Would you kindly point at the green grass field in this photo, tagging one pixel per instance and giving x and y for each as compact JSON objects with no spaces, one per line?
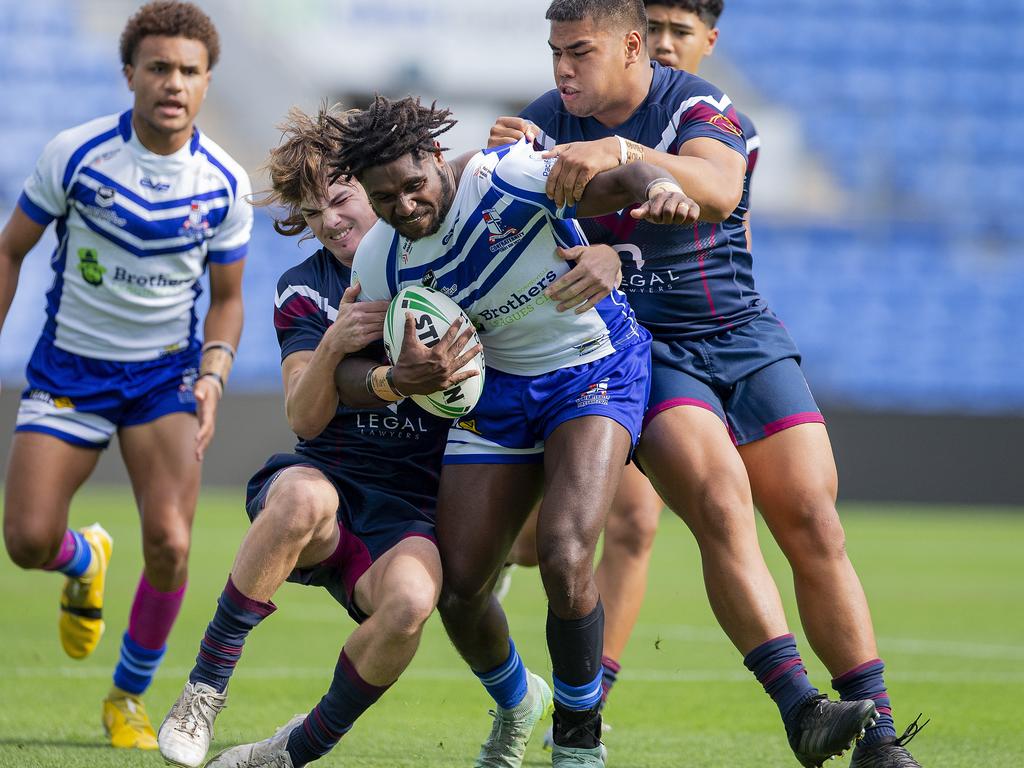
{"x":946,"y":587}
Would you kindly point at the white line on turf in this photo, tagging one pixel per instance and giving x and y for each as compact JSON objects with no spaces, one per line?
{"x":455,"y":675}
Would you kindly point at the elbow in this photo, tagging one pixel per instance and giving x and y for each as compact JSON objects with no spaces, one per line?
{"x":304,"y":427}
{"x":720,"y":208}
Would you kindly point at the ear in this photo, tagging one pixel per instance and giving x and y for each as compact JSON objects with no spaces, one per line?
{"x":129,"y":76}
{"x":712,"y":40}
{"x":635,"y":47}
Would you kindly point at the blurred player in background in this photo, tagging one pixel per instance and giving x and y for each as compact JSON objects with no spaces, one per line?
{"x":725,"y":371}
{"x":352,"y":508}
{"x":143,"y":203}
{"x":560,"y":407}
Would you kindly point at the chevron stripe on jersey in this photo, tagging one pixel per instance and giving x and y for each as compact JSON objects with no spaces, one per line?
{"x":494,"y":255}
{"x":134,"y":233}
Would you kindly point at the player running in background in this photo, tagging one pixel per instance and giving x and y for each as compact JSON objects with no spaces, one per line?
{"x":725,"y":371}
{"x":352,"y":508}
{"x":560,"y":407}
{"x":143,"y":204}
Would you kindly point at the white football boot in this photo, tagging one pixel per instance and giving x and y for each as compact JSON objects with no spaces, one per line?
{"x":269,"y":753}
{"x":186,"y":732}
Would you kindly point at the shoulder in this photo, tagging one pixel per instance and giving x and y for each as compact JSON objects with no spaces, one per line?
{"x":370,"y":265}
{"x":315,"y":278}
{"x":233,"y":173}
{"x":680,"y":90}
{"x":77,"y":142}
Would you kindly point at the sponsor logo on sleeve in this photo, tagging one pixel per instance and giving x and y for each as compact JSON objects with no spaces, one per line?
{"x":723,"y":123}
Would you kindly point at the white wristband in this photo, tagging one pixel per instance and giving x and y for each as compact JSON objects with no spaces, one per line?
{"x":623,"y":153}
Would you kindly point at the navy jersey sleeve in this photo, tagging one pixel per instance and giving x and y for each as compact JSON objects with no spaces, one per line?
{"x":540,"y":113}
{"x":700,"y":110}
{"x":298,"y":317}
{"x":753,"y":140}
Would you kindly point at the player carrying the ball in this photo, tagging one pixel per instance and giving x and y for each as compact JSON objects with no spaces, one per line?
{"x":561,"y":406}
{"x":324,"y":514}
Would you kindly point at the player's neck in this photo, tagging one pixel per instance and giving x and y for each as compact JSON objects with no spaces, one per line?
{"x":158,"y":142}
{"x":638,"y":77}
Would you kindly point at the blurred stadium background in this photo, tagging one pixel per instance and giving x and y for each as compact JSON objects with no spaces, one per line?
{"x":882,"y":205}
{"x":885,"y":236}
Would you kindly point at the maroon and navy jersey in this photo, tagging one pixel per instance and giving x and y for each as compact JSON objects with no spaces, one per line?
{"x":398,"y":447}
{"x":682,"y":281}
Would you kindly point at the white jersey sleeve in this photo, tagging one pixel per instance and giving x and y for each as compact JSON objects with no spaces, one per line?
{"x":231,"y":242}
{"x":371,"y":262}
{"x":523,"y":173}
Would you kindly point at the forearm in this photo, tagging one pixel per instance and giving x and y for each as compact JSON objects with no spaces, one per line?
{"x":312,"y":399}
{"x":224,"y":321}
{"x":350,"y":383}
{"x":618,"y":188}
{"x":716,"y":190}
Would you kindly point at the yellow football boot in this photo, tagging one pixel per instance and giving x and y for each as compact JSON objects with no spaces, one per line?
{"x":126,"y":722}
{"x":81,"y":603}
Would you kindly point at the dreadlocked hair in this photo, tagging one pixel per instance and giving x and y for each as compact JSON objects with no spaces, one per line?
{"x":385,"y":132}
{"x":298,"y":166}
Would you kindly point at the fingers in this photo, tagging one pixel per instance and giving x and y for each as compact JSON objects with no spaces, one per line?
{"x":458,"y":378}
{"x":668,"y":208}
{"x":467,"y":356}
{"x":351,"y":293}
{"x":448,"y":339}
{"x":570,"y":254}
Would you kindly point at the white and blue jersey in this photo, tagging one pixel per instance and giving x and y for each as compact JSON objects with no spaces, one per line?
{"x":134,"y":233}
{"x":494,"y":255}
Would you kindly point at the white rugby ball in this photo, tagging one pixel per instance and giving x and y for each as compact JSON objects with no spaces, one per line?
{"x":433,"y":313}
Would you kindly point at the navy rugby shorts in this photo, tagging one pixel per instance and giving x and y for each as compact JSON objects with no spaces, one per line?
{"x":749,"y":376}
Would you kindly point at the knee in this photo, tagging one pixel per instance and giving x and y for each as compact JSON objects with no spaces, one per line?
{"x":721,"y":516}
{"x":811,"y":530}
{"x":630,"y":531}
{"x":407,"y":609}
{"x":30,"y":549}
{"x":296,"y":508}
{"x":166,"y":550}
{"x":567,"y":570}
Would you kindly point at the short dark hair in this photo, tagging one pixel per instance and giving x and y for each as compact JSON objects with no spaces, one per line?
{"x":627,"y":13}
{"x":384,"y":132}
{"x":169,"y":18}
{"x":707,"y":10}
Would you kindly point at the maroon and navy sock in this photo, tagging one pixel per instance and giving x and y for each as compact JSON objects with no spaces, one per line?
{"x":221,"y":646}
{"x":778,"y":667}
{"x":348,"y":697}
{"x":610,"y":669}
{"x":865,"y":681}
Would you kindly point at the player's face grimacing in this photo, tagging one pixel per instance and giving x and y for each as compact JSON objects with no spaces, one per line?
{"x":169,"y":77}
{"x":589,"y":62}
{"x":340,"y":219}
{"x":678,"y":38}
{"x":412,"y":195}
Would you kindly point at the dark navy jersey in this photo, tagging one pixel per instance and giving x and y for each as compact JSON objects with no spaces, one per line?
{"x":397,"y":447}
{"x":682,"y":281}
{"x":753,"y":140}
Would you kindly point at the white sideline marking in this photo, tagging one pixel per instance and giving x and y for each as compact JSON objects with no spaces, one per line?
{"x":528,"y":625}
{"x":455,"y":675}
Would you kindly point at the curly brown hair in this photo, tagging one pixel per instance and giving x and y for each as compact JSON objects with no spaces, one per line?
{"x":169,"y":18}
{"x":299,"y":167}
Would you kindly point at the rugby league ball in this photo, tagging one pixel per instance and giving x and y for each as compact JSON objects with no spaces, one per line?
{"x":433,"y":313}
